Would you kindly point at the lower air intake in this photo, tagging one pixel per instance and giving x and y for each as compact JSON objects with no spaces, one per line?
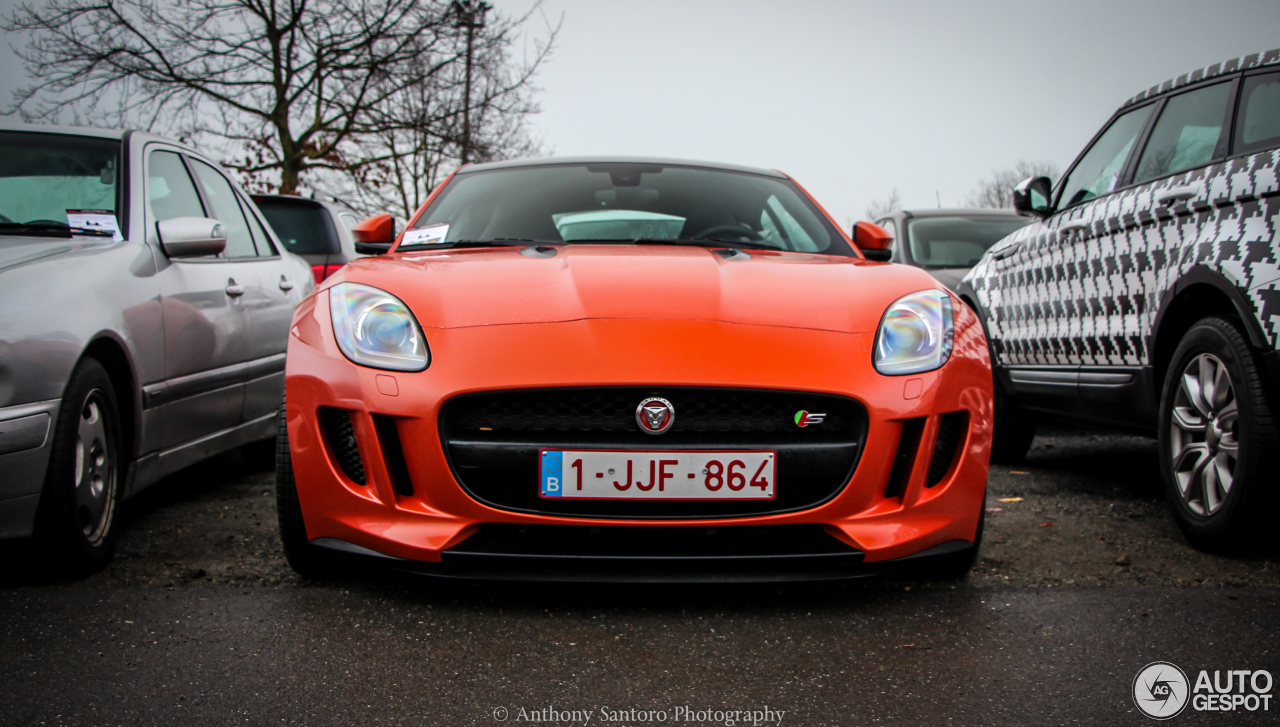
{"x":341,"y":437}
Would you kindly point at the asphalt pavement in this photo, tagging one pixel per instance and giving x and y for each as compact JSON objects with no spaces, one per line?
{"x":1083,"y":581}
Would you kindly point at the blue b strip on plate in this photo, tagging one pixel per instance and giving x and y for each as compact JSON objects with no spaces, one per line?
{"x":552,"y":474}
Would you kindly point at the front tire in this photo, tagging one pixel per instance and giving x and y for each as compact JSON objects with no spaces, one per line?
{"x":75,"y":524}
{"x":1218,"y":438}
{"x":1015,"y":429}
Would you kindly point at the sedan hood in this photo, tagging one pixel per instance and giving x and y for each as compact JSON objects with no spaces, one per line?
{"x":17,"y":250}
{"x":479,"y":287}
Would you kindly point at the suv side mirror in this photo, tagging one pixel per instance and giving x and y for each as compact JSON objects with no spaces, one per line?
{"x":375,"y":235}
{"x":191,"y":236}
{"x":1032,"y":195}
{"x":874,"y":241}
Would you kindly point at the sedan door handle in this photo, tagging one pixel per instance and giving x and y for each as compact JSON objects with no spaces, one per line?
{"x":235,"y":291}
{"x":1178,"y":194}
{"x":285,"y":284}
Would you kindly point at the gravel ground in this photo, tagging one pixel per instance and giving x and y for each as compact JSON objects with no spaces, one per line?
{"x":1084,"y":509}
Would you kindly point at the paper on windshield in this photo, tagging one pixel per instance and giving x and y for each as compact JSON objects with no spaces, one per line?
{"x":429,"y":235}
{"x":104,"y":220}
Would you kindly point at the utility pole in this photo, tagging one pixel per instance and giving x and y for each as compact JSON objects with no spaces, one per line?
{"x":468,"y":14}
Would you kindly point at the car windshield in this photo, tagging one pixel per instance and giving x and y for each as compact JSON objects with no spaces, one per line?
{"x":303,"y":226}
{"x":56,"y":185}
{"x":956,"y":242}
{"x":624,"y":202}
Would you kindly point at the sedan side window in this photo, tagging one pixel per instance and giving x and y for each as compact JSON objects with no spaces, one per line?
{"x":170,"y":191}
{"x":226,"y":209}
{"x":1099,"y":169}
{"x":1187,"y":134}
{"x":1258,"y":125}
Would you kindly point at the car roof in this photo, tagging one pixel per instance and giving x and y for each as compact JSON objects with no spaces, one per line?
{"x":555,"y":161}
{"x":1244,"y":63}
{"x":960,"y":212}
{"x":134,"y":135}
{"x":336,"y":203}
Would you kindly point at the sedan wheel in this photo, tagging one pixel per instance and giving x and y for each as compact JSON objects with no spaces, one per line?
{"x":1218,"y":438}
{"x":75,"y":521}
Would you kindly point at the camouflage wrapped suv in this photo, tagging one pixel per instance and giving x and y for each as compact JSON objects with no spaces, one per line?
{"x":1146,"y":296}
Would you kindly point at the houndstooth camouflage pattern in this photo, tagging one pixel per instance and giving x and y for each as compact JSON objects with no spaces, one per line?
{"x":1092,"y":297}
{"x":1225,"y":68}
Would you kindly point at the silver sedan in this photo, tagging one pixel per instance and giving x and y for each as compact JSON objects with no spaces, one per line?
{"x":144,"y":310}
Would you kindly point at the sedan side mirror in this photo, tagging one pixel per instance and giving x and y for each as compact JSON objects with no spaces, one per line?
{"x":375,"y":235}
{"x":874,"y":241}
{"x":1032,"y":195}
{"x":191,"y":236}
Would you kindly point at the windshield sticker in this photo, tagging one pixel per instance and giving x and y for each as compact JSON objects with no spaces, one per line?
{"x":430,"y":235}
{"x":93,"y":224}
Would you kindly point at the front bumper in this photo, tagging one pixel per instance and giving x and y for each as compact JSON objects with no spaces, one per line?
{"x":26,"y":438}
{"x":411,"y":509}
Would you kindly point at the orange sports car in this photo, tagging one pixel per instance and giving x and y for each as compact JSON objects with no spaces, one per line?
{"x":632,"y":369}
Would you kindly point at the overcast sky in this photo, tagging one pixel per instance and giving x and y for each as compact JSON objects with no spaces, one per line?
{"x":855,"y":99}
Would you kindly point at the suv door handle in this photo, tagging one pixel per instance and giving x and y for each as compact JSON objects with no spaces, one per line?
{"x":235,"y":291}
{"x":1076,"y":226}
{"x":1178,"y":194}
{"x":285,"y":284}
{"x":1009,"y":251}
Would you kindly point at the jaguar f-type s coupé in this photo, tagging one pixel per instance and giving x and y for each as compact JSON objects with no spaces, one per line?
{"x":632,"y":369}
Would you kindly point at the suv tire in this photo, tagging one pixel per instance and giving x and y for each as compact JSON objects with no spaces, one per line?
{"x":1217,"y":434}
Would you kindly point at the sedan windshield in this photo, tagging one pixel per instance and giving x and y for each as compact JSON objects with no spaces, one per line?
{"x":56,"y":185}
{"x":624,"y":202}
{"x":956,"y":242}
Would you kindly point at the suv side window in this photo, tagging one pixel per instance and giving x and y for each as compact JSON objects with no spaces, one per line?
{"x":170,"y":191}
{"x":1099,"y":169}
{"x":1258,"y":123}
{"x":1189,"y":133}
{"x":226,"y":209}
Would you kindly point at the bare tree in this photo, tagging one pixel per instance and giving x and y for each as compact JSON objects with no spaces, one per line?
{"x":996,"y":191}
{"x":880,"y":208}
{"x":298,"y":85}
{"x":476,"y":112}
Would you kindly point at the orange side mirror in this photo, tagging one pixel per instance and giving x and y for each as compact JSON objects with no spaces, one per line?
{"x":375,"y":235}
{"x":873,"y":240}
{"x":379,"y":228}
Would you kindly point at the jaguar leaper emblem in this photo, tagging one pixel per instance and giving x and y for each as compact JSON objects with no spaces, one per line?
{"x":655,"y":415}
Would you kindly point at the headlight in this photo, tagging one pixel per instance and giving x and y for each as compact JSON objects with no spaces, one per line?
{"x":915,"y":334}
{"x":375,"y":329}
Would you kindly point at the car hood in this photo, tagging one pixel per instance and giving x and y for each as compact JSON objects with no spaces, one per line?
{"x":16,"y":251}
{"x":479,"y":287}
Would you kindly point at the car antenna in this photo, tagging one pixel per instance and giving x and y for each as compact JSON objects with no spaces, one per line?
{"x":939,"y":197}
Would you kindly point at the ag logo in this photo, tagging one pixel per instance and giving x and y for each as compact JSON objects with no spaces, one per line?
{"x":1160,"y":690}
{"x":805,"y":418}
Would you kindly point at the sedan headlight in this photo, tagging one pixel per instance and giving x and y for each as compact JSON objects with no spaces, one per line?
{"x":915,"y":334}
{"x":375,"y":329}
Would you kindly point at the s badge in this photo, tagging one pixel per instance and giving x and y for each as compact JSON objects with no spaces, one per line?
{"x":805,"y":418}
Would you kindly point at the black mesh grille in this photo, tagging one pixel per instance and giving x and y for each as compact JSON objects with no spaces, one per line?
{"x":701,"y":414}
{"x":951,"y":431}
{"x":342,"y":442}
{"x":493,"y":440}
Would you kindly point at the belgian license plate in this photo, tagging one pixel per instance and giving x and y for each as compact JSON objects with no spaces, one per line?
{"x":686,"y":475}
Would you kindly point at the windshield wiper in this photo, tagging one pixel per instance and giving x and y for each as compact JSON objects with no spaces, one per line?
{"x":495,"y":242}
{"x":57,"y":228}
{"x":703,"y":242}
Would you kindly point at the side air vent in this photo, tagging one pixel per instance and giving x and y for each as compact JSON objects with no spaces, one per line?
{"x":393,"y":454}
{"x":342,"y":442}
{"x":908,"y":443}
{"x":951,"y":431}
